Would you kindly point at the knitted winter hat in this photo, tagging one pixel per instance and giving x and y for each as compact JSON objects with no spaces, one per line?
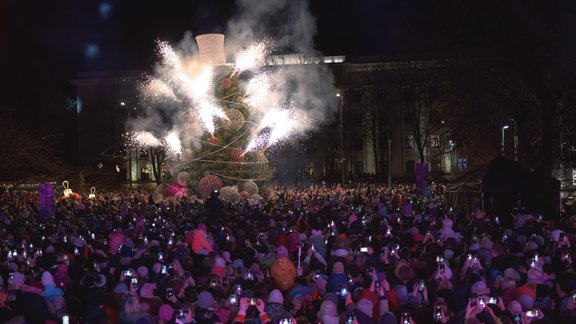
{"x":165,"y":313}
{"x":338,"y":267}
{"x":205,"y":300}
{"x":276,"y":296}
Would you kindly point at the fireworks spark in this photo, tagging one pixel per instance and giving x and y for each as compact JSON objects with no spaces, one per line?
{"x":173,"y":143}
{"x":252,"y":57}
{"x":146,"y":139}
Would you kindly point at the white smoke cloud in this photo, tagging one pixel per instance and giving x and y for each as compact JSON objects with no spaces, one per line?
{"x":303,"y":92}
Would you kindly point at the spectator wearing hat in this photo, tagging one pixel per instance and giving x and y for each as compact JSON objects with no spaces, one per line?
{"x":165,"y":314}
{"x":148,"y":298}
{"x":132,"y":312}
{"x":337,"y":278}
{"x":275,"y":306}
{"x":30,"y":298}
{"x":205,"y":312}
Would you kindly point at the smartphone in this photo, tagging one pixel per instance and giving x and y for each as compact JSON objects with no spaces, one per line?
{"x":317,"y":276}
{"x":233,"y":300}
{"x":422,"y":285}
{"x":134,"y":282}
{"x":344,"y":292}
{"x":481,"y":302}
{"x":574,"y":296}
{"x":169,"y":292}
{"x":562,"y":237}
{"x":442,"y":268}
{"x":492,"y":300}
{"x":11,"y":277}
{"x":65,"y":319}
{"x":164,"y":269}
{"x":364,"y":249}
{"x":405,"y":318}
{"x":350,"y":318}
{"x":532,"y":313}
{"x":213,"y":282}
{"x":252,"y":301}
{"x":128,"y":273}
{"x":497,"y":220}
{"x":438,"y":313}
{"x":377,"y":284}
{"x":160,"y":257}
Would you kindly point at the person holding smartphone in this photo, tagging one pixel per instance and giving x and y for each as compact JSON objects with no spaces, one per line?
{"x":258,"y":304}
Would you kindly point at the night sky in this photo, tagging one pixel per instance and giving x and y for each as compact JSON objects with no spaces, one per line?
{"x":46,"y":43}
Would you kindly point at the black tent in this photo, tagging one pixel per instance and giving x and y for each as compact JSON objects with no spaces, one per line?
{"x":506,"y":181}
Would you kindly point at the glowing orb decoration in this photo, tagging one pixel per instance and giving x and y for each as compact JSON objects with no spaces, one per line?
{"x":251,"y":188}
{"x":67,"y":190}
{"x":211,"y":48}
{"x":237,"y":155}
{"x":230,"y":194}
{"x":235,"y":119}
{"x":183,"y":178}
{"x":92,"y":193}
{"x":208,"y":183}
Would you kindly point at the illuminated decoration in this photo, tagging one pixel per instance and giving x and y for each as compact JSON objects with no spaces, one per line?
{"x":230,"y":194}
{"x":147,"y":169}
{"x":92,"y":193}
{"x":211,"y":48}
{"x":235,"y":119}
{"x":100,"y":165}
{"x":251,"y":188}
{"x":237,"y":155}
{"x":67,"y":191}
{"x":183,"y":178}
{"x":208,"y":183}
{"x":117,"y":168}
{"x":228,"y":114}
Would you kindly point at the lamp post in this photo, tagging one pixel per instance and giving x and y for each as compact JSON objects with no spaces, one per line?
{"x":341,"y":137}
{"x":515,"y":139}
{"x":389,"y":164}
{"x":505,"y":127}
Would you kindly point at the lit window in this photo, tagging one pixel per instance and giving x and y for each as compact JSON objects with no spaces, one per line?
{"x":435,"y":141}
{"x":462,"y":164}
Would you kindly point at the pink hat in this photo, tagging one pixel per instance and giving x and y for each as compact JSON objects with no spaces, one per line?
{"x":147,"y":290}
{"x":165,"y":313}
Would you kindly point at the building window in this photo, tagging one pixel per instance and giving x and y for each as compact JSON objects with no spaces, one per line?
{"x":409,"y":142}
{"x":462,"y":164}
{"x":435,"y":141}
{"x":356,"y":96}
{"x":410,"y":166}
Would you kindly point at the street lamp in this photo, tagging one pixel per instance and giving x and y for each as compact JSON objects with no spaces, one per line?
{"x":341,"y":102}
{"x":505,"y":127}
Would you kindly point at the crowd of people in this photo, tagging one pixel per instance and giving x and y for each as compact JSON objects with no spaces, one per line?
{"x":318,"y":254}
